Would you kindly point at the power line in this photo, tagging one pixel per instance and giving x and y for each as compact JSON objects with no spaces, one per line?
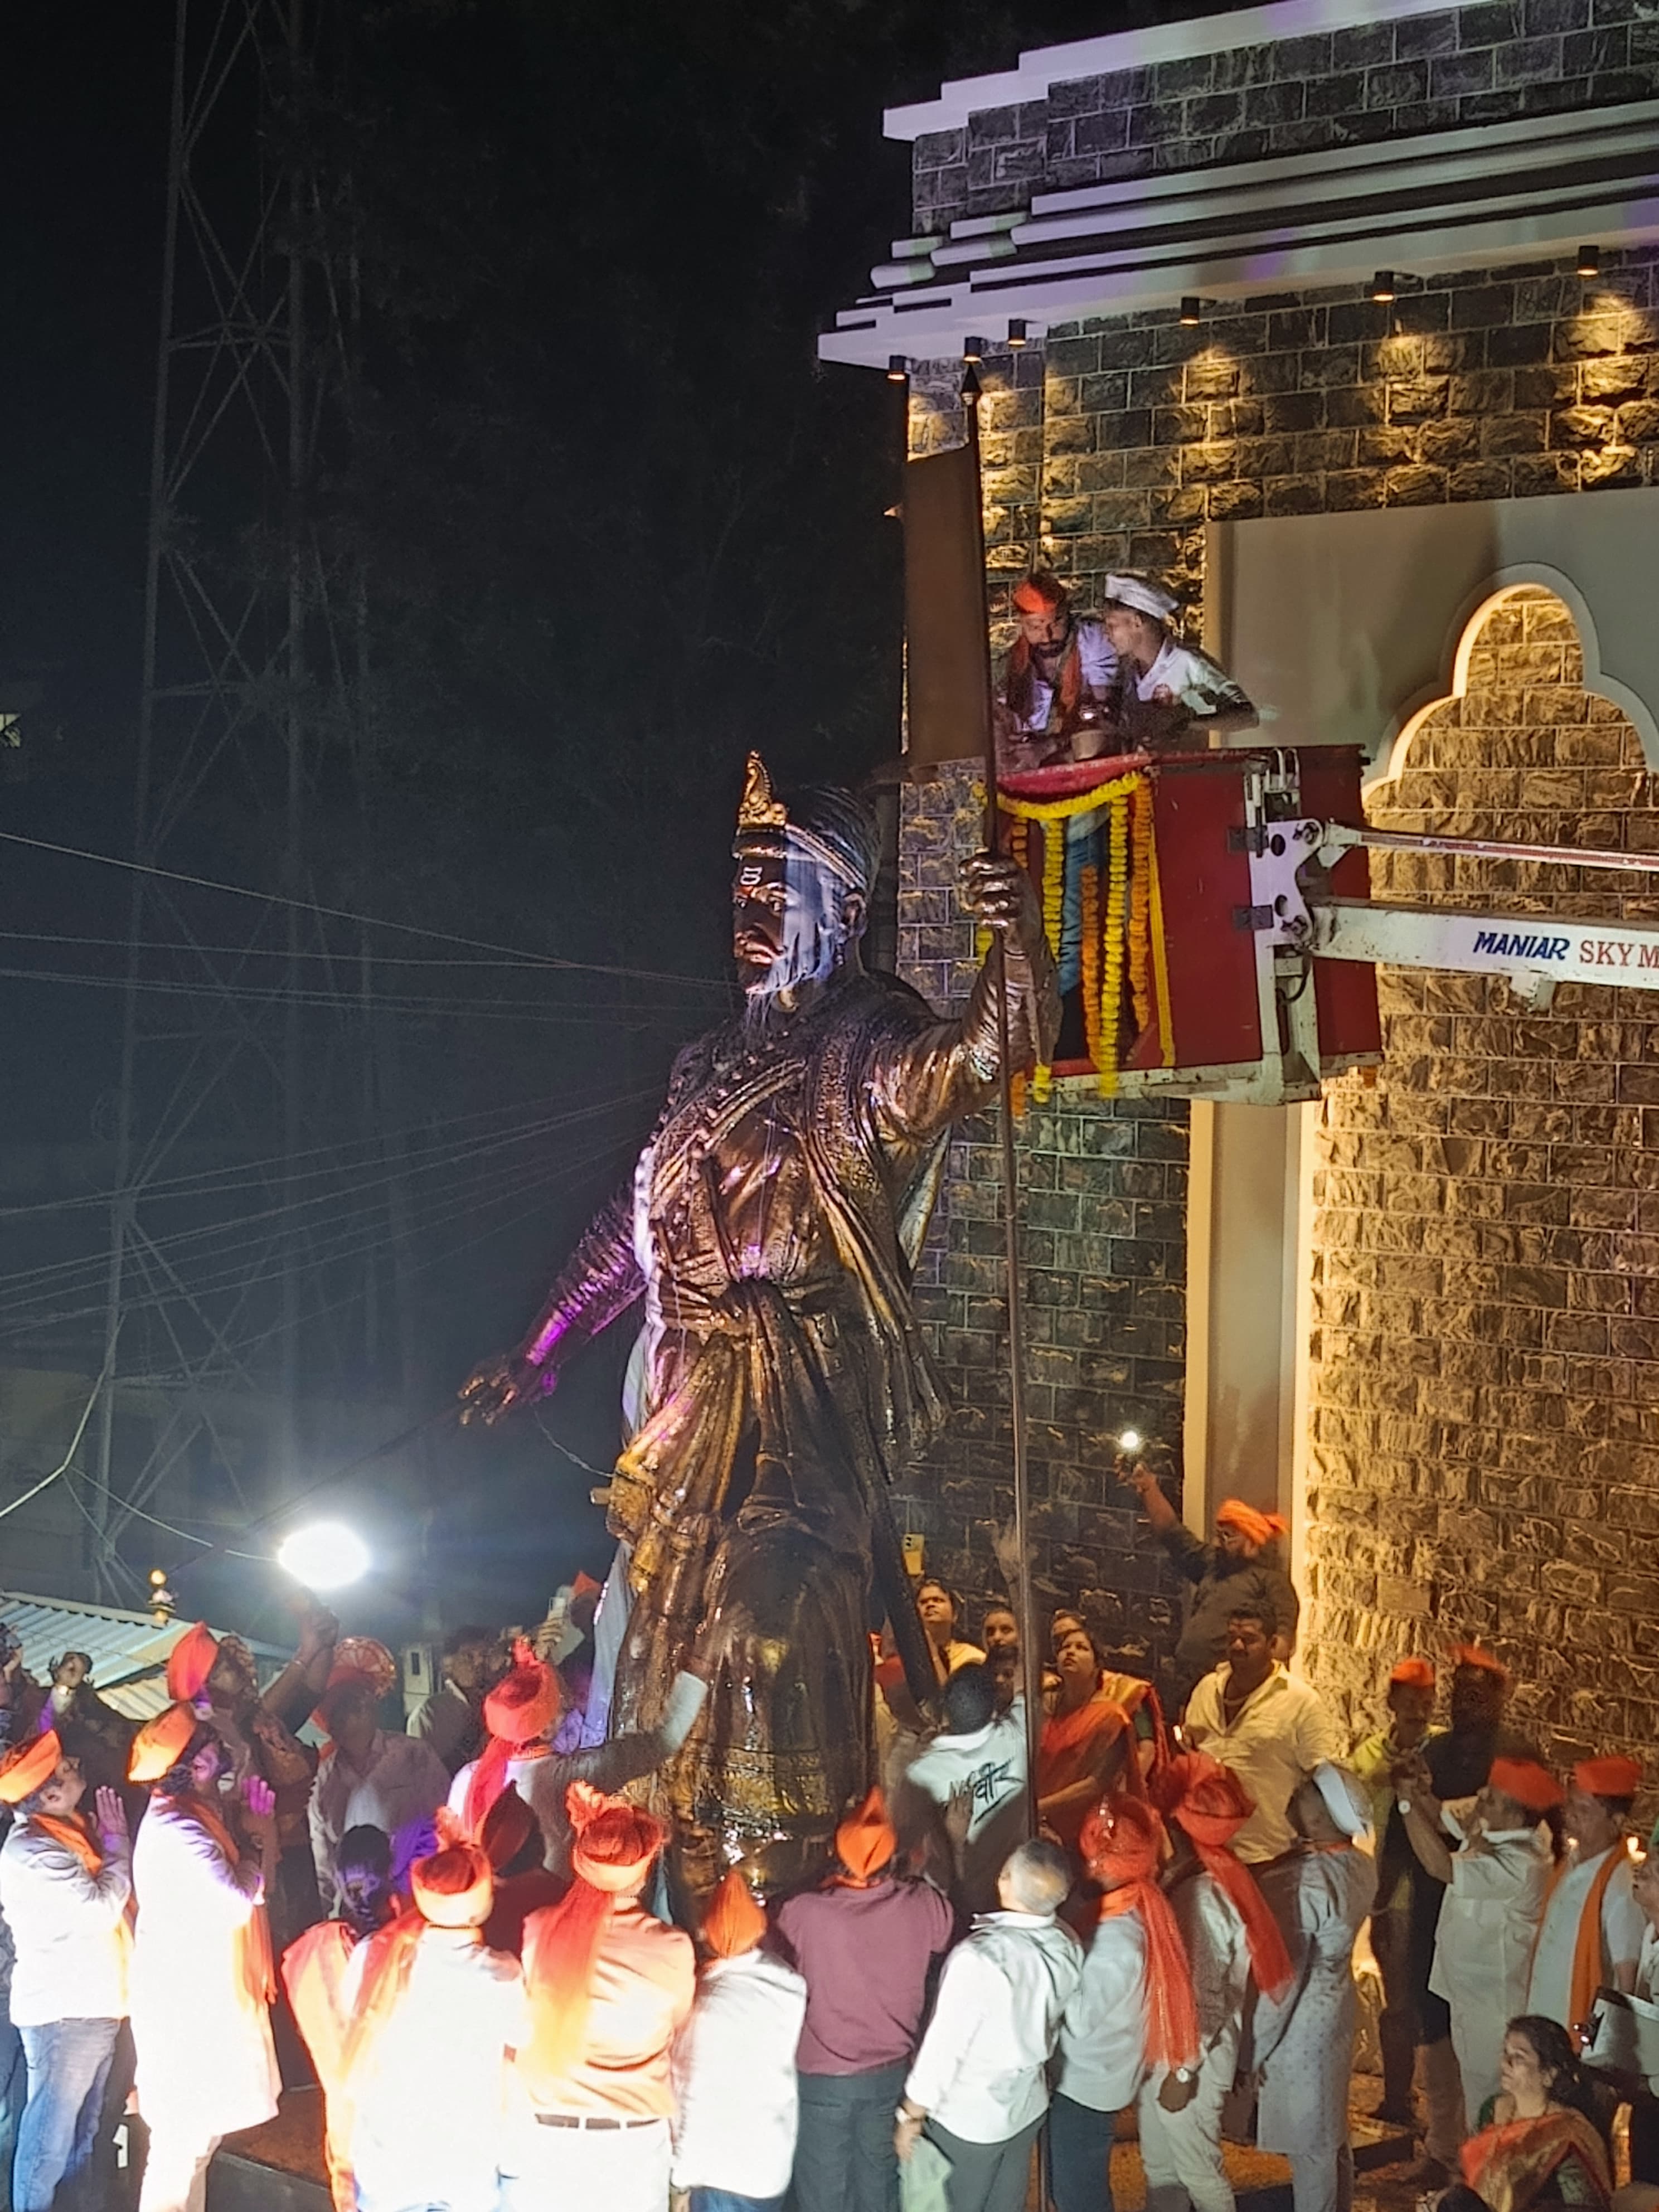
{"x":363,"y":920}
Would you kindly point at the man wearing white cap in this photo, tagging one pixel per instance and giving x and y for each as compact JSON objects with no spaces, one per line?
{"x":1163,"y":685}
{"x":1320,"y":1893}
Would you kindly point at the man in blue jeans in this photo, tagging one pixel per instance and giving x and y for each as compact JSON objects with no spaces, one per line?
{"x":64,"y":1883}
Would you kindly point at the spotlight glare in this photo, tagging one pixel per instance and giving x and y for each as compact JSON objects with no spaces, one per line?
{"x":1131,"y":1441}
{"x":325,"y":1556}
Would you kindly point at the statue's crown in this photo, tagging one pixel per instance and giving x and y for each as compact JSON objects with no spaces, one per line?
{"x":758,"y":809}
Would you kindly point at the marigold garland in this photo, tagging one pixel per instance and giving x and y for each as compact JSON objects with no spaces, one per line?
{"x":1123,"y":916}
{"x":1089,"y":890}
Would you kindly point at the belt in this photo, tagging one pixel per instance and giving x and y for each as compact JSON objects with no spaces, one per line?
{"x":591,"y":2120}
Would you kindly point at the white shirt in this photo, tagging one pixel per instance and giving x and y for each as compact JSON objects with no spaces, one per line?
{"x":1103,"y":2037}
{"x":430,"y":2103}
{"x":1488,"y":1920}
{"x":991,"y":1762}
{"x":1097,"y":664}
{"x":1623,"y":1926}
{"x":980,"y":2072}
{"x":397,"y":1789}
{"x":69,"y":1927}
{"x":735,"y":2081}
{"x":1181,"y":675}
{"x":1280,"y":1733}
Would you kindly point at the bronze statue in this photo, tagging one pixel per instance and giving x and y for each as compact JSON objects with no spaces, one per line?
{"x":771,"y":1228}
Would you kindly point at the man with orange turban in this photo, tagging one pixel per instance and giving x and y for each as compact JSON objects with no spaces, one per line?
{"x":520,"y":1716}
{"x":611,"y":1987}
{"x":65,"y":1880}
{"x":1448,"y":1769}
{"x":1230,"y":1938}
{"x":734,"y":2063}
{"x":1134,"y":2008}
{"x":370,"y":1777}
{"x":1053,"y":679}
{"x":867,"y":1942}
{"x":1244,"y":1565}
{"x":1590,"y":1936}
{"x":1495,"y":1883}
{"x":1410,"y":1699}
{"x":424,"y":2070}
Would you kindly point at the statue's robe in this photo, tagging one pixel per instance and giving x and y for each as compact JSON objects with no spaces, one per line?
{"x":772,"y":1225}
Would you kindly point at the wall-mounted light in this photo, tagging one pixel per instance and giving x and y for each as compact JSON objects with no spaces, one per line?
{"x":1589,"y":261}
{"x":1192,"y":311}
{"x":1382,"y":285}
{"x":973,"y":349}
{"x":971,"y":390}
{"x":1017,"y":336}
{"x":898,"y":368}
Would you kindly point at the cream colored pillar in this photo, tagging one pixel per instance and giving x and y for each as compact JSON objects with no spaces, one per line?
{"x":1249,"y":1301}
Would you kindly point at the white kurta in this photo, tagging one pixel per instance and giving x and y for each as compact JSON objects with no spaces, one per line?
{"x":429,"y":2104}
{"x":206,"y":2064}
{"x":735,"y":2085}
{"x":1483,"y":1949}
{"x":1320,"y":1901}
{"x":1623,"y":1925}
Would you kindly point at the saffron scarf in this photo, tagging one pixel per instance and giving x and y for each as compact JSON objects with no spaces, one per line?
{"x":1511,"y":2164}
{"x":1586,"y":1976}
{"x":74,"y":1833}
{"x":258,"y":1968}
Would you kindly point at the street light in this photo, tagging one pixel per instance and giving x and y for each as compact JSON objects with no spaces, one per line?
{"x":326,"y":1556}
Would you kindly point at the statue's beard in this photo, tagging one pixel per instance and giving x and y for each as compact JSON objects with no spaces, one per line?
{"x":810,"y":957}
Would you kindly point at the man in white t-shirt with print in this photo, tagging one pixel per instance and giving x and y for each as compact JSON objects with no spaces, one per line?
{"x":981,"y":1751}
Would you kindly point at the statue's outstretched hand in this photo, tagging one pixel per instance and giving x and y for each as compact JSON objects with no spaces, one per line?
{"x":998,"y":891}
{"x":498,"y":1385}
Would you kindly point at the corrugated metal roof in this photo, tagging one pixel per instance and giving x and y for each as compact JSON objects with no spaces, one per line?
{"x":129,"y":1652}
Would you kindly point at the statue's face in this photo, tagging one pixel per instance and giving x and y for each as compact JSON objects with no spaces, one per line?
{"x":787,"y":924}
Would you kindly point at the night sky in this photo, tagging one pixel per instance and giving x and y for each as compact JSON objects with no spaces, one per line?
{"x":616,"y":525}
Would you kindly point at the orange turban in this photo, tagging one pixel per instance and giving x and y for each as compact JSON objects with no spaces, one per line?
{"x":1254,"y":1527}
{"x":520,"y":1709}
{"x":191,"y":1661}
{"x":29,"y":1767}
{"x":1413,"y":1674}
{"x":1122,"y":1842}
{"x":161,"y":1743}
{"x":1533,"y":1787}
{"x":1208,"y":1801}
{"x":454,"y":1887}
{"x":866,"y":1840}
{"x":1040,"y":592}
{"x":615,"y":1842}
{"x":1609,"y":1777}
{"x":733,"y":1923}
{"x":1472,"y":1655}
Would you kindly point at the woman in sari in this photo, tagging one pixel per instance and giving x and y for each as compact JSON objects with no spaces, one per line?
{"x":1536,"y":2147}
{"x":1087,"y":1749}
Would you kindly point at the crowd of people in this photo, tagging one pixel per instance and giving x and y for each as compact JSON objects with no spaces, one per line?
{"x":467,"y":1936}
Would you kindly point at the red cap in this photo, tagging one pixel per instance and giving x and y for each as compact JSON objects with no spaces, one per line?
{"x":1532,"y":1786}
{"x":29,"y":1767}
{"x":733,"y":1923}
{"x":1038,"y":593}
{"x":1608,"y":1777}
{"x":1255,"y":1526}
{"x":865,"y":1840}
{"x":1476,"y":1654}
{"x":525,"y":1703}
{"x":1413,"y":1674}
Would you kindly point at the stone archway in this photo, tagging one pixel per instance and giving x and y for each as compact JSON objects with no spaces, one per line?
{"x":1483,"y":1369}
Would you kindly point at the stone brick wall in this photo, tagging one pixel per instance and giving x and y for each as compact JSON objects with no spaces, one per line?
{"x":1493,"y":61}
{"x":1485,"y":1376}
{"x":1103,"y":1191}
